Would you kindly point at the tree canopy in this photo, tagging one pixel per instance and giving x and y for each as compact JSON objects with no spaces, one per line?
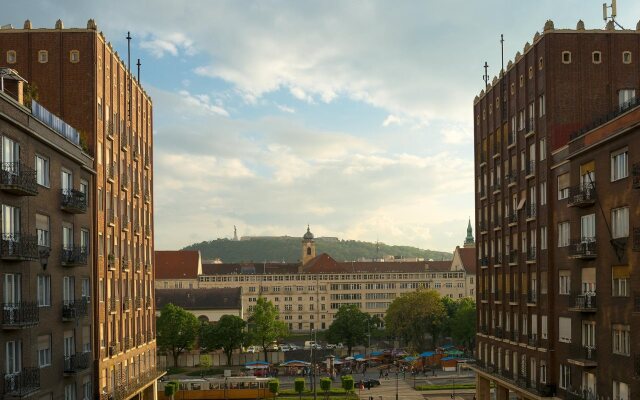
{"x":177,"y":330}
{"x":227,"y":334}
{"x":413,"y":315}
{"x":351,"y":327}
{"x":463,"y":323}
{"x":264,"y":325}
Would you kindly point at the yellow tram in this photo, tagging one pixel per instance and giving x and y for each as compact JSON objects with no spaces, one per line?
{"x":233,"y":387}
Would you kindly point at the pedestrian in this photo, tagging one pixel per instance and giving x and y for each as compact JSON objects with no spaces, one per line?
{"x":381,"y":372}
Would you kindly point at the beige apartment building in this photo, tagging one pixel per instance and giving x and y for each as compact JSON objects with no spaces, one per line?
{"x":309,"y":294}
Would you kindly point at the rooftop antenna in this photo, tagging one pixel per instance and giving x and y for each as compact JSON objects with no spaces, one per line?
{"x":614,"y":13}
{"x":485,"y":77}
{"x":138,"y":64}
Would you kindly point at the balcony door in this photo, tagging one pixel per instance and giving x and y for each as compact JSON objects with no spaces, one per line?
{"x":10,"y":156}
{"x":12,"y":294}
{"x":13,"y":354}
{"x":587,"y":228}
{"x":589,"y":384}
{"x":10,"y":223}
{"x":67,"y":238}
{"x":68,"y":293}
{"x":69,"y":347}
{"x":67,"y":181}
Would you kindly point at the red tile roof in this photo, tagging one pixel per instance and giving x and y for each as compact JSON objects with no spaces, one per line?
{"x":177,"y":264}
{"x":468,"y":257}
{"x":249,"y":268}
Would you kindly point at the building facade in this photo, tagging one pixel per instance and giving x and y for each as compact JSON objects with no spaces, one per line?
{"x":79,"y":77}
{"x":45,"y":252}
{"x":308,"y":295}
{"x":555,"y":140}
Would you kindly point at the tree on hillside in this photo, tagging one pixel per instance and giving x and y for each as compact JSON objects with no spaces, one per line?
{"x":264,"y":325}
{"x":177,"y":330}
{"x":227,"y":334}
{"x":413,"y":314}
{"x":463,"y":323}
{"x":351,"y":327}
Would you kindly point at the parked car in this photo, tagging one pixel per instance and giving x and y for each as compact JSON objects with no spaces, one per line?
{"x":330,"y":346}
{"x":254,"y":349}
{"x":309,"y":344}
{"x":339,"y":346}
{"x":293,"y":346}
{"x":273,"y":346}
{"x":317,"y":346}
{"x":285,"y":347}
{"x":368,"y":383}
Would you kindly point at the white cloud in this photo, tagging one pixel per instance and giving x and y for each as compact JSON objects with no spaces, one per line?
{"x":203,"y":102}
{"x":286,"y":109}
{"x":170,"y":43}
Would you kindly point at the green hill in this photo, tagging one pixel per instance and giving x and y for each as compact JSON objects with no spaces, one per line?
{"x":288,"y":249}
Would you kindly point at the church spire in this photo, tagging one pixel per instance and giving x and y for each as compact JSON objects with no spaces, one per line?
{"x":469,"y":241}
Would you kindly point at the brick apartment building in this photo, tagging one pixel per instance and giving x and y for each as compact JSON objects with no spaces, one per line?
{"x":557,"y":170}
{"x":80,"y":78}
{"x":45,"y":252}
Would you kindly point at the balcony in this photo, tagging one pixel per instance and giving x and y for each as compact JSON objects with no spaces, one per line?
{"x":513,"y":257}
{"x":483,"y":226}
{"x":136,"y":150}
{"x":147,"y":230}
{"x":530,"y":169}
{"x":124,"y":182}
{"x":18,"y":247}
{"x":112,"y":306}
{"x":513,"y":297}
{"x":110,"y":129}
{"x":512,"y":218}
{"x":124,"y":263}
{"x":496,"y":187}
{"x":22,"y":383}
{"x":533,"y":340}
{"x":124,"y":141}
{"x":74,"y":310}
{"x":531,"y":254}
{"x":76,"y":363}
{"x":498,"y":332}
{"x":585,"y":303}
{"x":583,"y":356}
{"x":512,"y":178}
{"x":582,"y":195}
{"x":126,"y":304}
{"x":148,"y":302}
{"x":114,"y":348}
{"x":138,"y":302}
{"x":514,"y":336}
{"x":137,"y":265}
{"x":147,"y":161}
{"x":16,"y":178}
{"x":124,"y":223}
{"x":73,"y":201}
{"x":583,"y":248}
{"x":497,"y":259}
{"x":484,"y":261}
{"x":111,"y":262}
{"x":147,"y":196}
{"x":531,"y":210}
{"x":532,"y":298}
{"x":111,"y":217}
{"x":20,"y":315}
{"x":129,"y":343}
{"x":139,"y":339}
{"x":125,"y":388}
{"x":484,"y":330}
{"x":584,"y":394}
{"x":74,"y":256}
{"x":111,"y":171}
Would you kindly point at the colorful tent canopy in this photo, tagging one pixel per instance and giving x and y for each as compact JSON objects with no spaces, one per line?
{"x":257,"y":365}
{"x":448,"y":358}
{"x":376,"y":353}
{"x":454,"y":353}
{"x":428,"y":354}
{"x":409,"y":359}
{"x":358,"y":356}
{"x":295,"y":363}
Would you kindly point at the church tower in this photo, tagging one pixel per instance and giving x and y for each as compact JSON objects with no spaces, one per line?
{"x":469,"y":241}
{"x":308,"y":247}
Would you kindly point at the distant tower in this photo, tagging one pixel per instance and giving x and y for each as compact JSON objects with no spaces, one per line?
{"x":235,"y":233}
{"x":469,"y":241}
{"x":308,"y":247}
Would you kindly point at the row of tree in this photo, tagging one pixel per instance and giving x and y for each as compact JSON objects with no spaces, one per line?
{"x":416,"y":318}
{"x":178,"y":330}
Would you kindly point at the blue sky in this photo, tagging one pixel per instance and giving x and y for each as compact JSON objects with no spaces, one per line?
{"x":352,"y":116}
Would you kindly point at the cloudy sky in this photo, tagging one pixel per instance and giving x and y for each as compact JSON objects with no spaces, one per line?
{"x":352,"y":116}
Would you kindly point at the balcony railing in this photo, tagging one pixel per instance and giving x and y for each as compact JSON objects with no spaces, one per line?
{"x":73,"y":201}
{"x":114,"y":348}
{"x":497,"y":259}
{"x":585,"y":303}
{"x":18,"y":247}
{"x":531,"y":210}
{"x":512,"y":178}
{"x":126,"y":304}
{"x":533,"y":340}
{"x":513,"y":257}
{"x":585,"y":356}
{"x":124,"y":181}
{"x":112,"y":171}
{"x":484,"y":329}
{"x":584,"y":394}
{"x":137,"y":265}
{"x":124,"y":263}
{"x":583,"y":248}
{"x":20,"y":315}
{"x":635,"y":172}
{"x":582,"y":195}
{"x":22,"y":383}
{"x":129,"y":343}
{"x":74,"y":256}
{"x":128,"y":386}
{"x":512,"y":217}
{"x":18,"y":179}
{"x":532,"y":297}
{"x":531,"y":168}
{"x":138,"y":302}
{"x":112,"y":305}
{"x":111,"y":261}
{"x":124,"y":141}
{"x":498,"y":332}
{"x":75,"y":309}
{"x":484,"y":261}
{"x":531,"y":254}
{"x":514,"y":336}
{"x":77,"y":362}
{"x":54,"y":122}
{"x":111,"y":216}
{"x":147,"y":230}
{"x":147,"y":160}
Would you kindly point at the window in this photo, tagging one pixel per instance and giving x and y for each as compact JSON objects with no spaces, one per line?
{"x":565,"y":376}
{"x":626,"y":57}
{"x":620,"y":222}
{"x":540,"y":63}
{"x":513,"y":88}
{"x":563,"y":186}
{"x":42,"y":171}
{"x":566,"y":57}
{"x":565,"y":281}
{"x":626,"y":96}
{"x":43,"y":56}
{"x":44,"y":351}
{"x":589,"y":334}
{"x":521,"y":120}
{"x":596,"y":57}
{"x":542,"y":109}
{"x":521,"y":80}
{"x":543,"y":193}
{"x":619,"y":161}
{"x":587,"y":228}
{"x":100,"y":109}
{"x":563,"y":234}
{"x":86,"y":388}
{"x":543,"y":149}
{"x":530,"y":72}
{"x":86,"y":290}
{"x":564,"y":331}
{"x":70,"y":391}
{"x":621,"y":344}
{"x":44,"y":290}
{"x":42,"y":230}
{"x":620,"y":280}
{"x":13,"y":357}
{"x":67,"y":237}
{"x":620,"y":391}
{"x":74,"y":56}
{"x":11,"y":57}
{"x":543,"y":238}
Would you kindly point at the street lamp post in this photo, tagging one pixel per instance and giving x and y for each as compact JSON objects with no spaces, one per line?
{"x":313,"y":365}
{"x":397,"y":383}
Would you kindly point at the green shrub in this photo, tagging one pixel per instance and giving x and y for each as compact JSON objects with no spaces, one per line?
{"x":299,"y":384}
{"x":274,"y":386}
{"x":325,"y":384}
{"x":170,"y":389}
{"x":347,"y":383}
